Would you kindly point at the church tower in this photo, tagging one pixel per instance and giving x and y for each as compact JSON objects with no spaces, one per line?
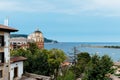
{"x":38,"y":38}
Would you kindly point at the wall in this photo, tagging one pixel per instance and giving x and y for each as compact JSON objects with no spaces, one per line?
{"x":6,"y":48}
{"x":6,"y":55}
{"x":20,"y":69}
{"x":1,"y":68}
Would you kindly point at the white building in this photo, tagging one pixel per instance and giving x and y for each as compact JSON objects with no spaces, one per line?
{"x":16,"y":66}
{"x":10,"y":68}
{"x":18,"y":42}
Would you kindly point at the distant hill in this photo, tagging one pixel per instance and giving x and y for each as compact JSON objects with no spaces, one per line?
{"x":18,"y":35}
{"x":25,"y":36}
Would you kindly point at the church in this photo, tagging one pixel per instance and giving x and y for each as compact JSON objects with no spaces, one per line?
{"x":38,"y":38}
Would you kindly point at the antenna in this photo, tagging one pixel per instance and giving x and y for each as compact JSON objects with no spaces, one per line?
{"x":6,"y":21}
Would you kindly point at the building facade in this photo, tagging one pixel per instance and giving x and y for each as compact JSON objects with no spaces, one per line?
{"x":5,"y":61}
{"x":18,"y":42}
{"x":16,"y":67}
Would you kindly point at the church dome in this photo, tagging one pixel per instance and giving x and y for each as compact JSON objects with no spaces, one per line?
{"x":36,"y":36}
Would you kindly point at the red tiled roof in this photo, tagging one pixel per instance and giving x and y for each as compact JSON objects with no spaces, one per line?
{"x":17,"y":59}
{"x":6,"y":28}
{"x":65,"y":64}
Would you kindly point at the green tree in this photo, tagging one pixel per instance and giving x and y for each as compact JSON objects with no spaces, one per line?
{"x":98,"y":68}
{"x":32,"y":47}
{"x":83,"y":56}
{"x":56,"y":57}
{"x":82,"y":60}
{"x":41,"y":61}
{"x":69,"y":75}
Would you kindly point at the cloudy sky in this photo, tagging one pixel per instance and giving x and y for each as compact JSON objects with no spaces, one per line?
{"x":65,"y":20}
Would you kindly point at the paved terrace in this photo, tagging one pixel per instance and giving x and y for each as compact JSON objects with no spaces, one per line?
{"x":29,"y":76}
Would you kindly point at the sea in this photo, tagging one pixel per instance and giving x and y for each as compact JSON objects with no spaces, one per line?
{"x":68,"y":48}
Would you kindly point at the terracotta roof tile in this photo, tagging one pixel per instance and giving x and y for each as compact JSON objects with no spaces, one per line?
{"x":17,"y":59}
{"x":6,"y":28}
{"x":65,"y":64}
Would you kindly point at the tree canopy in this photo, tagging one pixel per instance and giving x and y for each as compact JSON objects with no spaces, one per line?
{"x":47,"y":62}
{"x":40,"y":61}
{"x":82,"y":59}
{"x":92,"y":67}
{"x":98,"y":68}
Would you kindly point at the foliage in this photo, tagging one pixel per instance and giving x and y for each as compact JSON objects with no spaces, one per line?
{"x":98,"y":68}
{"x":33,"y":48}
{"x":92,"y":67}
{"x":18,"y":35}
{"x":82,"y":59}
{"x":56,"y":57}
{"x":83,"y":56}
{"x":47,"y":62}
{"x":69,"y":75}
{"x":41,"y":61}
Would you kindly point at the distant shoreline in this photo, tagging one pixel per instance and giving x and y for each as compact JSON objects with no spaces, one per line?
{"x":114,"y":47}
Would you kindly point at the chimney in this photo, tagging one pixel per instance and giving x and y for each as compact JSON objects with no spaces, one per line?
{"x":6,"y":21}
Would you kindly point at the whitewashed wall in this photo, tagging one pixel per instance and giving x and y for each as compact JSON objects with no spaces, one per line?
{"x":20,"y":69}
{"x":6,"y":48}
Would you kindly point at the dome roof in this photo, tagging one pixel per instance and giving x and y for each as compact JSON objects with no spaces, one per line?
{"x":36,"y":36}
{"x":37,"y":31}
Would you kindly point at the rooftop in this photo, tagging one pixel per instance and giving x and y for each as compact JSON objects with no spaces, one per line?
{"x":17,"y":59}
{"x":37,"y":31}
{"x":7,"y":29}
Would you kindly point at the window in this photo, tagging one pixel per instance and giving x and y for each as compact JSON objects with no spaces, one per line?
{"x":1,"y":41}
{"x":1,"y":73}
{"x":1,"y":57}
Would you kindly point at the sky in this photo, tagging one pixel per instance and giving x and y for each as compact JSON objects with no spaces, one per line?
{"x":65,"y":20}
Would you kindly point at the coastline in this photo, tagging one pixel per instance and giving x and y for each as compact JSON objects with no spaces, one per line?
{"x":112,"y":47}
